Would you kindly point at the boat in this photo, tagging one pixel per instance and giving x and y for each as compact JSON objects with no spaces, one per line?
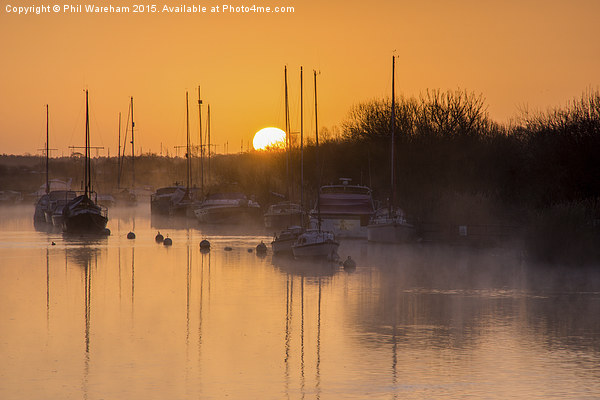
{"x":389,"y":224}
{"x":43,"y":203}
{"x":52,"y":195}
{"x":345,"y":209}
{"x":184,"y":206}
{"x":164,"y":198}
{"x":56,"y":200}
{"x":283,"y":214}
{"x":227,"y":207}
{"x":290,"y":212}
{"x":82,"y":214}
{"x":386,"y":228}
{"x":125,"y":196}
{"x":282,"y":243}
{"x":316,"y":243}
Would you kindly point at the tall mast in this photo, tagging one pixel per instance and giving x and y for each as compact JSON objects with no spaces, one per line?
{"x":287,"y":136}
{"x":132,"y":149}
{"x":47,"y":151}
{"x":208,"y":133}
{"x":392,"y":123}
{"x":187,"y":154}
{"x":87,"y":146}
{"x":317,"y":157}
{"x":201,"y":148}
{"x":119,"y":157}
{"x":301,"y":145}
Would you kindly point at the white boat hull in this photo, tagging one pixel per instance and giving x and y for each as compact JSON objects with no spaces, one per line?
{"x":390,"y":232}
{"x":317,"y":250}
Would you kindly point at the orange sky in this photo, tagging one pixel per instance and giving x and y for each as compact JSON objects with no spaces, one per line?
{"x":539,"y":53}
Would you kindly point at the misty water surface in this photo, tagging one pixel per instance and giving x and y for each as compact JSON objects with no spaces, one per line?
{"x":115,"y":318}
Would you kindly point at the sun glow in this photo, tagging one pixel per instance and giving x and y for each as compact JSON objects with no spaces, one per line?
{"x":269,"y":138}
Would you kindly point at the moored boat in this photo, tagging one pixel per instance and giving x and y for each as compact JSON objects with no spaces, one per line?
{"x":283,"y":214}
{"x":392,"y":228}
{"x":162,"y":200}
{"x":82,"y":214}
{"x":317,"y":244}
{"x":56,"y":200}
{"x":282,"y":242}
{"x":389,"y":225}
{"x":231,"y":208}
{"x":345,"y":209}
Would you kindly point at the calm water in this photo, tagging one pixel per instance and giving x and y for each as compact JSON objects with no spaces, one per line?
{"x":130,"y":319}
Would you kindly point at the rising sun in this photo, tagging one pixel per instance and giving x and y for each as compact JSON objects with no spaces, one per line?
{"x":269,"y":138}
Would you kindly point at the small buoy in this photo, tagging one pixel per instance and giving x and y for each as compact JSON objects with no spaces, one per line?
{"x":349,"y":263}
{"x":167,"y":242}
{"x":106,"y":232}
{"x":131,"y":235}
{"x":227,"y":248}
{"x":205,"y":244}
{"x":159,"y":238}
{"x":53,"y":244}
{"x":261,"y":248}
{"x":249,"y":250}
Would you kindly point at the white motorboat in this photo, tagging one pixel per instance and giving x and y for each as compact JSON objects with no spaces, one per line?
{"x":317,"y":244}
{"x":392,"y":228}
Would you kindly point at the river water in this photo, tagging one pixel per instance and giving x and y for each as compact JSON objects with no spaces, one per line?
{"x":114,"y":318}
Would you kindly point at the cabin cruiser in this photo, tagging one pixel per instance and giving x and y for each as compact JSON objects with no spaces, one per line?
{"x":345,"y":209}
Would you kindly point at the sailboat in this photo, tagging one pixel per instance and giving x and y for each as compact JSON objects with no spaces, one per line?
{"x":184,"y":206}
{"x":316,"y":242}
{"x":177,"y":200}
{"x":390,"y":224}
{"x":51,"y":203}
{"x":125,"y":196}
{"x":283,"y":241}
{"x":284,"y":213}
{"x":82,"y":214}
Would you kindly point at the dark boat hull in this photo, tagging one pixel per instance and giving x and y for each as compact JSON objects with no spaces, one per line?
{"x":82,"y":215}
{"x":85,"y":222}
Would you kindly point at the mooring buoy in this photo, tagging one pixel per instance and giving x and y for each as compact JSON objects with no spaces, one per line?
{"x":349,"y":263}
{"x":167,"y":242}
{"x":261,"y":248}
{"x":159,"y":238}
{"x":131,"y":235}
